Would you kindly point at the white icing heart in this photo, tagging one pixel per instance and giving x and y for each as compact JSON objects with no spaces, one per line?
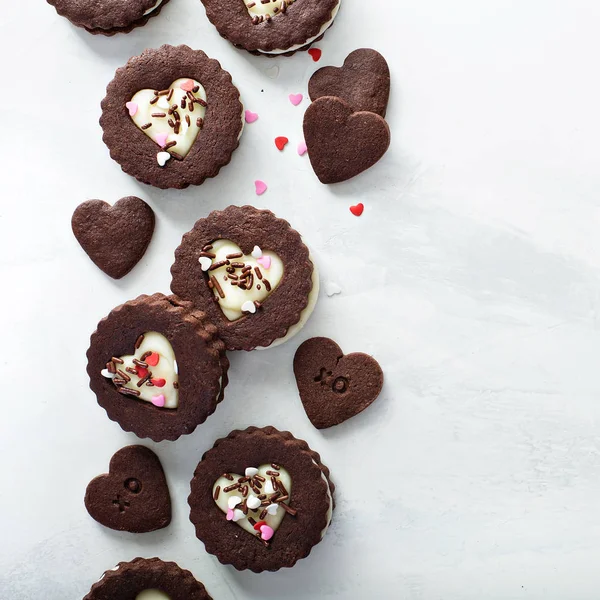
{"x":235,"y":292}
{"x":175,"y":116}
{"x":162,"y":158}
{"x":260,"y":10}
{"x":159,"y":381}
{"x":273,"y":516}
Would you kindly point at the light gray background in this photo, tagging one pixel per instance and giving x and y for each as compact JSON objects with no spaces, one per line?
{"x":473,"y":276}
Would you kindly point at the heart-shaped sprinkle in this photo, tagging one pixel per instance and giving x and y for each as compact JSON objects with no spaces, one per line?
{"x":261,"y":187}
{"x":234,"y":501}
{"x":295,"y":99}
{"x":141,"y":371}
{"x":253,"y":502}
{"x":229,"y":515}
{"x":256,"y":252}
{"x":258,"y":525}
{"x":188,"y":85}
{"x":332,"y":288}
{"x":238,"y":515}
{"x":250,"y":116}
{"x":272,"y":508}
{"x":272,"y":72}
{"x":175,"y":367}
{"x":249,"y":307}
{"x":281,"y":142}
{"x":106,"y":373}
{"x":265,"y":261}
{"x":132,"y":107}
{"x":269,"y":489}
{"x":357,"y":209}
{"x":251,"y":472}
{"x":158,"y":400}
{"x":162,"y":158}
{"x":205,"y":263}
{"x":161,"y":139}
{"x":153,"y":358}
{"x":315,"y":53}
{"x":302,"y":148}
{"x":266,"y":533}
{"x":158,"y":382}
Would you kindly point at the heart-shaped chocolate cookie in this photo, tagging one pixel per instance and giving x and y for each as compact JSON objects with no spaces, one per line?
{"x":363,"y":81}
{"x":114,"y":237}
{"x":133,"y":496}
{"x":342,"y":143}
{"x":334,"y":387}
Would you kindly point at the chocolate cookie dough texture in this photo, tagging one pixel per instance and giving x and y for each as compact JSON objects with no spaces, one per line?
{"x":157,"y":366}
{"x":108,"y":17}
{"x":147,"y":579}
{"x":172,"y":117}
{"x":272,"y":27}
{"x":251,"y":273}
{"x":261,"y":499}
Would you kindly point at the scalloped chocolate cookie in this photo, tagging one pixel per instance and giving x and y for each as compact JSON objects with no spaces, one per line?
{"x":148,"y":579}
{"x":172,"y":117}
{"x":250,"y":272}
{"x":108,"y":17}
{"x":272,"y":27}
{"x":261,"y":499}
{"x":157,"y":366}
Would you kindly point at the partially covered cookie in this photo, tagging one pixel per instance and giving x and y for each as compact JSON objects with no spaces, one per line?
{"x":108,"y":17}
{"x":251,"y":273}
{"x":147,"y":579}
{"x":157,"y":366}
{"x":172,"y":117}
{"x":272,"y":27}
{"x":261,"y":499}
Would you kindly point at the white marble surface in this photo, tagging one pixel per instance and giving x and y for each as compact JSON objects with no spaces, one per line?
{"x":473,"y":276}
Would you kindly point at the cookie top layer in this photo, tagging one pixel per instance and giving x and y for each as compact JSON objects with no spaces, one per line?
{"x":246,"y":227}
{"x":122,"y":369}
{"x":129,"y":579}
{"x":217,"y":104}
{"x":311,"y":499}
{"x":290,"y":22}
{"x":108,"y":16}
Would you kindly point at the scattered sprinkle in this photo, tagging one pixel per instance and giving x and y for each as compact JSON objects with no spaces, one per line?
{"x":302,"y":148}
{"x":295,"y":99}
{"x":233,"y":501}
{"x":357,"y":209}
{"x":162,"y":158}
{"x":256,"y":252}
{"x":261,"y":187}
{"x":251,"y":472}
{"x":161,"y":139}
{"x":188,"y":85}
{"x":205,"y":263}
{"x":315,"y":53}
{"x":249,"y":307}
{"x":265,"y":261}
{"x":132,"y":107}
{"x":250,"y":116}
{"x":331,"y":289}
{"x":106,"y":373}
{"x":158,"y":400}
{"x":281,"y":142}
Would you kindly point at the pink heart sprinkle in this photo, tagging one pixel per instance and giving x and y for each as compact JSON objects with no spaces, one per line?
{"x":261,"y":187}
{"x":265,"y":261}
{"x":230,"y":514}
{"x":161,"y":139}
{"x":266,"y":532}
{"x":250,"y":116}
{"x":295,"y":99}
{"x":188,"y":85}
{"x":158,"y":400}
{"x":132,"y":107}
{"x":302,"y":148}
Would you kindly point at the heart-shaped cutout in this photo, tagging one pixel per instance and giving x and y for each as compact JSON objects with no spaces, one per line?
{"x":255,"y":500}
{"x":237,"y":279}
{"x":334,"y":387}
{"x":363,"y":81}
{"x":172,"y":118}
{"x":265,"y":10}
{"x":114,"y":237}
{"x":343,"y":143}
{"x":150,"y":374}
{"x":133,"y":496}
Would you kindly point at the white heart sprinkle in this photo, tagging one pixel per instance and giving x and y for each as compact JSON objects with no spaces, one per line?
{"x":249,"y":307}
{"x":238,"y":515}
{"x":175,"y":367}
{"x":272,"y":72}
{"x":251,"y":472}
{"x":162,"y":158}
{"x":163,"y":102}
{"x":106,"y":373}
{"x":257,"y":252}
{"x":272,"y":509}
{"x":331,"y":288}
{"x":253,"y":502}
{"x":205,"y":262}
{"x":233,"y":501}
{"x":269,"y":489}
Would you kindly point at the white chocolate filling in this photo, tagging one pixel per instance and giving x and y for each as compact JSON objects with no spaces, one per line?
{"x":164,"y":379}
{"x":152,"y":595}
{"x":151,"y":10}
{"x":174,"y":117}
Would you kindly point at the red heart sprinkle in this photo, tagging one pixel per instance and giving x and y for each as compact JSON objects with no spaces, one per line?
{"x":259,"y":525}
{"x":357,"y":210}
{"x":280,"y":142}
{"x":158,"y":382}
{"x":315,"y":53}
{"x":141,"y":371}
{"x":152,"y":359}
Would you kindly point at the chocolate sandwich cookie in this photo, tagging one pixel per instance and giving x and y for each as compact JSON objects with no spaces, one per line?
{"x":107,"y":17}
{"x":157,"y":366}
{"x":172,"y":117}
{"x":250,"y":272}
{"x":270,"y":485}
{"x":272,"y":27}
{"x":148,"y":579}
